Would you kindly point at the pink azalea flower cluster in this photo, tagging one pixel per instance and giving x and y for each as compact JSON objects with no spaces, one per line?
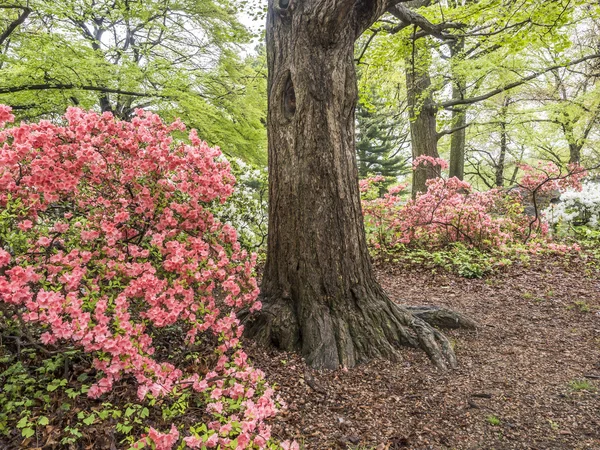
{"x":424,"y":160}
{"x":451,"y":211}
{"x":547,"y":177}
{"x":121,"y":243}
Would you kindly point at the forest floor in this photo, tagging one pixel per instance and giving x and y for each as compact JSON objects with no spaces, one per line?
{"x":527,"y":379}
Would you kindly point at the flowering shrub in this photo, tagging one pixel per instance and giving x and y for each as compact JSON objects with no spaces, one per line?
{"x":577,"y":207}
{"x":246,"y":208}
{"x":547,"y":177}
{"x":452,"y":212}
{"x":107,"y":238}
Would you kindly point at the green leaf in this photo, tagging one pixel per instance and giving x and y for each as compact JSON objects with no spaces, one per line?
{"x":23,"y":422}
{"x":27,"y":432}
{"x":43,"y":420}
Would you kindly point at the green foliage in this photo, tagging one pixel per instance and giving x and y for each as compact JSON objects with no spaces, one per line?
{"x":178,"y":58}
{"x":36,"y":397}
{"x":246,"y":209}
{"x":582,"y":385}
{"x":33,"y":383}
{"x":493,"y":420}
{"x":380,"y":142}
{"x":456,"y":258}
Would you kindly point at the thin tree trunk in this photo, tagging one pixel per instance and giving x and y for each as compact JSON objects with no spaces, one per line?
{"x":319,"y":293}
{"x":502,"y":157}
{"x":500,"y":166}
{"x":574,"y":153}
{"x":422,"y":110}
{"x":459,"y":118}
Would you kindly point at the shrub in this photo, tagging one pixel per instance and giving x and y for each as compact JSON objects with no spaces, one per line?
{"x":577,"y":208}
{"x":108,"y":242}
{"x":451,"y":212}
{"x":246,"y":209}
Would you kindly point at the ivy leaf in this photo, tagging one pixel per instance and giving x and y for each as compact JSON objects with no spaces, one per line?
{"x":43,"y":420}
{"x":27,"y":432}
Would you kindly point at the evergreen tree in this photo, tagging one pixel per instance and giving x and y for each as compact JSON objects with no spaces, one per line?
{"x":380,"y":143}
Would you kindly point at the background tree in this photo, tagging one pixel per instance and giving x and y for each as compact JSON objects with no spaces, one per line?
{"x":380,"y":141}
{"x":480,"y":49}
{"x":180,"y":58}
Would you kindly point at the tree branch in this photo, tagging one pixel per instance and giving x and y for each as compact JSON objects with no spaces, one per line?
{"x":43,"y":87}
{"x":452,"y":130}
{"x":406,"y":15}
{"x":479,"y":98}
{"x":15,"y":23}
{"x":369,"y":11}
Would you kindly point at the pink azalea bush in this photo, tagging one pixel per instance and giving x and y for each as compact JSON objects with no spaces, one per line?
{"x":112,"y":241}
{"x":547,"y":176}
{"x":451,"y":211}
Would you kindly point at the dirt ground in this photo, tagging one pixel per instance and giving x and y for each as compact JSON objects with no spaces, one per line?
{"x":527,"y":379}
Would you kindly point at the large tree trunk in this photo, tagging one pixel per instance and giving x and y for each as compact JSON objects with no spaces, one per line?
{"x":422,"y":110}
{"x":318,"y":291}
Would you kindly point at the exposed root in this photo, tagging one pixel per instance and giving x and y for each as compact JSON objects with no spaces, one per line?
{"x":442,"y":318}
{"x":377,"y":328}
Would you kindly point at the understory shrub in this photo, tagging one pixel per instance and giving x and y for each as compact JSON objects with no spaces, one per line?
{"x":113,"y":265}
{"x":578,"y":207}
{"x":451,"y":219}
{"x":246,"y":208}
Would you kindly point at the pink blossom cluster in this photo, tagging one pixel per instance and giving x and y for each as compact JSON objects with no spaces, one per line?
{"x":424,"y":160}
{"x":121,"y":243}
{"x":547,"y":176}
{"x":452,"y":211}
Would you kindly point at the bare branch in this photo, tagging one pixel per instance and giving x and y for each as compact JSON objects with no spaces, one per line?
{"x":452,"y":130}
{"x":43,"y":87}
{"x":507,"y":87}
{"x":15,"y":23}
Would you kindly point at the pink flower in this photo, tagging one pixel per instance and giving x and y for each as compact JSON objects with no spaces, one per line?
{"x":44,"y":241}
{"x":164,"y":441}
{"x":25,"y":225}
{"x":193,"y":442}
{"x":290,"y":445}
{"x":212,"y":441}
{"x":5,"y":115}
{"x":4,"y":258}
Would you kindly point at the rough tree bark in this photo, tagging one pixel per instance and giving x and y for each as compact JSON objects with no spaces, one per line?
{"x":459,"y":118}
{"x":423,"y":122}
{"x":499,"y":175}
{"x":500,"y":166}
{"x":319,"y":293}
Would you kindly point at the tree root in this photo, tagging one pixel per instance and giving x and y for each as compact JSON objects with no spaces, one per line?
{"x":366,"y":330}
{"x":442,"y":318}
